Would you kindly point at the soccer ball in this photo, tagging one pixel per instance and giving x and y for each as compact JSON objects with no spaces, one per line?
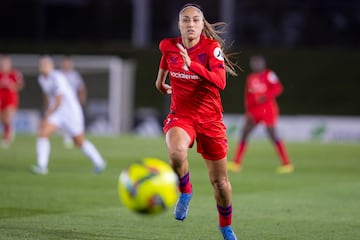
{"x":148,"y":186}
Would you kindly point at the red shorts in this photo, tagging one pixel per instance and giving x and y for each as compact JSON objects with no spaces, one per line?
{"x":267,"y":114}
{"x":210,"y":136}
{"x":8,"y":99}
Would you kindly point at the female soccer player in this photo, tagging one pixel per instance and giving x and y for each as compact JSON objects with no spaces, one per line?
{"x":11,"y":81}
{"x":62,"y":110}
{"x":197,"y":69}
{"x":262,"y":88}
{"x":77,"y":84}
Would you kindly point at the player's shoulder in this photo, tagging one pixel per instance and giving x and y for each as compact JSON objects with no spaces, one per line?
{"x":57,"y":73}
{"x":271,"y":76}
{"x":168,"y":43}
{"x":211,"y":43}
{"x":58,"y":76}
{"x":15,"y":71}
{"x":213,"y":47}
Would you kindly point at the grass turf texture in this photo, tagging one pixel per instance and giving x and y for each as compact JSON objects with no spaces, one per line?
{"x":321,"y":200}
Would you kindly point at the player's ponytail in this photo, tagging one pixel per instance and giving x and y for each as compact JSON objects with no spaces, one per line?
{"x":212,"y":31}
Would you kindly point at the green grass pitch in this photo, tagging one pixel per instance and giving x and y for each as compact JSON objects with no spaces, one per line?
{"x":320,"y":200}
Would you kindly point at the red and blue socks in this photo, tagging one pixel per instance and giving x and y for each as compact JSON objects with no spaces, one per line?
{"x":281,"y":151}
{"x":240,"y":152}
{"x":185,"y":184}
{"x":225,"y":215}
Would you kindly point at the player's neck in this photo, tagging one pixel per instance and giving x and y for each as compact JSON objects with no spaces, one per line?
{"x":189,"y":43}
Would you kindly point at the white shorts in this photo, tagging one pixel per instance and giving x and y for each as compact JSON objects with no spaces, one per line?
{"x":70,"y":124}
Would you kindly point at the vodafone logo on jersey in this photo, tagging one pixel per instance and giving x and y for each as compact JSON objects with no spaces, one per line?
{"x":218,"y":54}
{"x":184,"y":76}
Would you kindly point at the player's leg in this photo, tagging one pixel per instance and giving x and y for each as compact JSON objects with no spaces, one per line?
{"x":222,"y":190}
{"x":74,"y":126}
{"x":178,"y":142}
{"x":213,"y":146}
{"x":286,"y":166}
{"x":90,"y":151}
{"x":3,"y":126}
{"x":47,"y":128}
{"x":67,"y":140}
{"x":7,"y":116}
{"x":248,"y":127}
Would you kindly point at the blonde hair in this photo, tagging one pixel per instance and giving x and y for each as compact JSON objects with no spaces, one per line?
{"x":212,"y":31}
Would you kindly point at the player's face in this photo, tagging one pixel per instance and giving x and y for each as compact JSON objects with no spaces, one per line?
{"x":191,"y":23}
{"x":257,"y":64}
{"x":5,"y":64}
{"x":67,"y":64}
{"x":45,"y":66}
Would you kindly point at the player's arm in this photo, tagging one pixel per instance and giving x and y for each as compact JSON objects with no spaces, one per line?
{"x":20,"y":84}
{"x":217,"y":74}
{"x":160,"y":83}
{"x":275,"y":87}
{"x":46,"y":103}
{"x":57,"y":104}
{"x":82,"y":90}
{"x":82,"y":94}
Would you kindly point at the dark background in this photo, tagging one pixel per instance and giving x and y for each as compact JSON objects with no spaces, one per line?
{"x":313,"y":45}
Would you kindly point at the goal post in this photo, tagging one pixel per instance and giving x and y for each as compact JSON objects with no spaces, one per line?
{"x":110,"y":80}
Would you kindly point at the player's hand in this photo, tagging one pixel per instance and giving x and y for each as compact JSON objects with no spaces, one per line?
{"x":184,"y":55}
{"x":165,"y":88}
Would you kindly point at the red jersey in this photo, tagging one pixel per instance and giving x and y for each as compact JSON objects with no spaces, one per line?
{"x":10,"y":80}
{"x":195,"y":89}
{"x":261,"y":90}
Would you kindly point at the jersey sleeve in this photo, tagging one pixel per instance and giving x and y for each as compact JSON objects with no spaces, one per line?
{"x":79,"y":80}
{"x":40,"y":84}
{"x":18,"y":77}
{"x":216,"y":73}
{"x":59,"y":87}
{"x":162,"y":46}
{"x":275,"y":87}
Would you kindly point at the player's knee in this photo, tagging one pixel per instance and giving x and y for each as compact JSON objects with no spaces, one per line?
{"x":79,"y":141}
{"x":178,"y":152}
{"x":221,"y":184}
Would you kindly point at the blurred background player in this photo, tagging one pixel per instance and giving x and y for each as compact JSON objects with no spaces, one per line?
{"x":11,"y":81}
{"x":262,"y":88}
{"x":78,"y":86}
{"x":197,"y":69}
{"x":62,"y":110}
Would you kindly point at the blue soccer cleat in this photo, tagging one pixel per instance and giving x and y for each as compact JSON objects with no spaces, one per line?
{"x":182,"y":206}
{"x":228,"y":233}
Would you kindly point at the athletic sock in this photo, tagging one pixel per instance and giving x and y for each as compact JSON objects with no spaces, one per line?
{"x":185,"y":184}
{"x":281,"y":151}
{"x":43,"y":152}
{"x":91,"y":152}
{"x":240,"y":152}
{"x":225,"y":215}
{"x":7,"y":131}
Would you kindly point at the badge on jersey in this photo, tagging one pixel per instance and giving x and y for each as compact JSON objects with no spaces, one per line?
{"x":218,"y":54}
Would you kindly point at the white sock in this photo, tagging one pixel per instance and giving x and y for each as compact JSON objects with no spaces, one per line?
{"x":43,"y":152}
{"x":90,"y":150}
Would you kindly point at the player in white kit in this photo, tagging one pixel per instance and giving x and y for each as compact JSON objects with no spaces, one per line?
{"x":62,"y":110}
{"x":77,"y":85}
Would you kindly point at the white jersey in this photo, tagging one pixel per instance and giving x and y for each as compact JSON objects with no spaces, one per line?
{"x":74,"y":79}
{"x":69,"y":114}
